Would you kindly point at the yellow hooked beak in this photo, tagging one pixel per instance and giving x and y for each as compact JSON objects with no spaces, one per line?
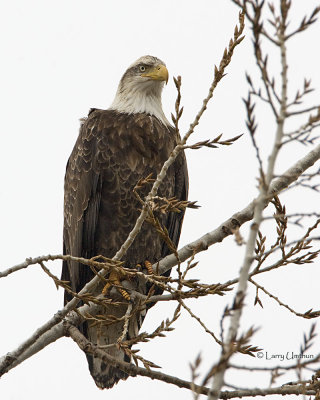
{"x":158,"y":73}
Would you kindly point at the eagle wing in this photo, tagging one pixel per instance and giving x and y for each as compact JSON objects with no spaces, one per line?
{"x":82,"y":196}
{"x":181,"y":189}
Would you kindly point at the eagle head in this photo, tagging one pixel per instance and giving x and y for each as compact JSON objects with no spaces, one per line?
{"x":140,"y":88}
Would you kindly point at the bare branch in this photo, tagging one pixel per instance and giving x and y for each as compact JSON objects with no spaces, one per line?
{"x":308,"y":315}
{"x":133,"y":370}
{"x":238,"y":219}
{"x":219,"y":72}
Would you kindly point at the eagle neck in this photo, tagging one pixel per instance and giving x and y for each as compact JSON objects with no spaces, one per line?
{"x":132,"y":101}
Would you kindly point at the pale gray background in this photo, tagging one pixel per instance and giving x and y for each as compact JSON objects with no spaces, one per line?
{"x":59,"y":58}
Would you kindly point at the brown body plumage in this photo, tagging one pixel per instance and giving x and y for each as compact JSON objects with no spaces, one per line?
{"x":113,"y":152}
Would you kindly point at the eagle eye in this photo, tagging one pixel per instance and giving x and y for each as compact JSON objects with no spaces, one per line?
{"x":142,"y":68}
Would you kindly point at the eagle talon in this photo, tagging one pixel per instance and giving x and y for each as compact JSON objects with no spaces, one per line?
{"x":114,"y":280}
{"x":124,"y":294}
{"x":148,"y":266}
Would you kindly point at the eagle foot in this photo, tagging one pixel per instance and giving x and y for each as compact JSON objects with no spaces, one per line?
{"x":114,"y":280}
{"x":148,"y":266}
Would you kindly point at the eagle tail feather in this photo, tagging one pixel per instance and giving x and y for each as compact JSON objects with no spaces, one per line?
{"x":105,"y":376}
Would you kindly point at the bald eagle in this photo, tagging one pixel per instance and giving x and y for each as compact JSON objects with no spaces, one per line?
{"x":115,"y":149}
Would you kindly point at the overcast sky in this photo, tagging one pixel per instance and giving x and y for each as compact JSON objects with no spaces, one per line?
{"x":59,"y":58}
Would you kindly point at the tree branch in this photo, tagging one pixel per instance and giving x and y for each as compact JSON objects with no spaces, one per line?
{"x":133,"y":370}
{"x":239,"y":218}
{"x":228,"y":347}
